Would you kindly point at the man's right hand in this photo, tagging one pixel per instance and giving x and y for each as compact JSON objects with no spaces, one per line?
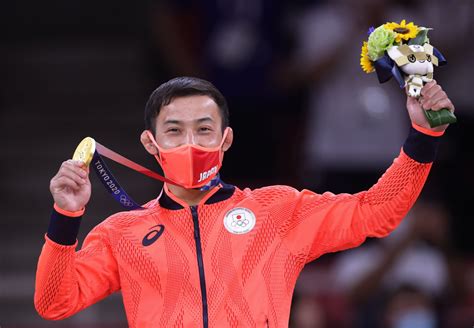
{"x":70,"y":187}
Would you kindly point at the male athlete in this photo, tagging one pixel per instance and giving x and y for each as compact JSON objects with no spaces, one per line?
{"x":206,"y":253}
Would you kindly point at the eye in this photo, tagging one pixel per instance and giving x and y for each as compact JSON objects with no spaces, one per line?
{"x":172,"y":130}
{"x":411,"y":58}
{"x":205,"y":129}
{"x":428,"y":57}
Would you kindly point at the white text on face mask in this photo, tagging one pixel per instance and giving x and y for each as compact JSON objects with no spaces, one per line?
{"x":204,"y":175}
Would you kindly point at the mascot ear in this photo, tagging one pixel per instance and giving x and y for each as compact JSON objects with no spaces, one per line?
{"x":383,"y":66}
{"x":386,"y":68}
{"x":441,"y":60}
{"x":398,"y":75}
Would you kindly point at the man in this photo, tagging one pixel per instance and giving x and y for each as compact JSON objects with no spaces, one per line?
{"x":210,"y":254}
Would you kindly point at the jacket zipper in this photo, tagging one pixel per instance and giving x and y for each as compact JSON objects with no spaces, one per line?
{"x":202,"y":279}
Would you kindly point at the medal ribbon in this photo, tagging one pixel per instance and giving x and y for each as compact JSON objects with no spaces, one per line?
{"x":110,"y":183}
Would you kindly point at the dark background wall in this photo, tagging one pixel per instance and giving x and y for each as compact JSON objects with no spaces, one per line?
{"x":70,"y":69}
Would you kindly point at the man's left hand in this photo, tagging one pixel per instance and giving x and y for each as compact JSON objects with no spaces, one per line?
{"x":432,"y":97}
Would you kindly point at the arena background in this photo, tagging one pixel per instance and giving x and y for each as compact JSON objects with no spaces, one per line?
{"x":70,"y":69}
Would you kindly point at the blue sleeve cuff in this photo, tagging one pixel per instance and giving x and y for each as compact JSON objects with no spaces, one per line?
{"x":421,"y":147}
{"x":63,"y":229}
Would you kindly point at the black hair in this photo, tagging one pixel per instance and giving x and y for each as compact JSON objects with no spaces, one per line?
{"x":182,"y":87}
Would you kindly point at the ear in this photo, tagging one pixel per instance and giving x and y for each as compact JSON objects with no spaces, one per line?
{"x":148,"y":143}
{"x":228,"y":139}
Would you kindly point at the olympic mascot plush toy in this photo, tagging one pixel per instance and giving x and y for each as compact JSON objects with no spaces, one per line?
{"x":403,"y":51}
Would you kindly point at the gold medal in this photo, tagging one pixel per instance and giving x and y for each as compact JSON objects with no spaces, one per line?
{"x":85,"y":151}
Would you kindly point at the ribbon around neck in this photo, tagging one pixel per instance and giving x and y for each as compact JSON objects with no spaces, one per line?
{"x":110,"y":183}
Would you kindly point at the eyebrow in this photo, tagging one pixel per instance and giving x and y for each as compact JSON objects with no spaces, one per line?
{"x":199,"y":120}
{"x":205,"y":119}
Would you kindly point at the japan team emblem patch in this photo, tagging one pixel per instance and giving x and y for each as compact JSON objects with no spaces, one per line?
{"x":239,"y":220}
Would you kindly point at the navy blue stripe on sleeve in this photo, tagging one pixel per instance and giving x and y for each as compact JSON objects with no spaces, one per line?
{"x":63,"y":229}
{"x":421,"y":147}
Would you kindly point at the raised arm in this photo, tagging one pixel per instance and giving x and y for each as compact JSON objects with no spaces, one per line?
{"x":328,"y":222}
{"x":68,"y":281}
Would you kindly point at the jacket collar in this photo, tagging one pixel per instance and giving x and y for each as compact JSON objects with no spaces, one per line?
{"x":224,"y":192}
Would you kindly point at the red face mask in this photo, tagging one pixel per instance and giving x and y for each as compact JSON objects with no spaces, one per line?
{"x":190,"y":166}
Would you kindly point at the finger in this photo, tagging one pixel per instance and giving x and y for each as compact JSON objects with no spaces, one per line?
{"x":443,"y":103}
{"x":429,"y":101}
{"x":74,"y":174}
{"x":63,"y":182}
{"x":428,"y":86}
{"x":80,"y":164}
{"x":76,"y":166}
{"x":429,"y":91}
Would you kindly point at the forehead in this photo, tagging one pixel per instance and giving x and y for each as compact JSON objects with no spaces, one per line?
{"x":189,"y":109}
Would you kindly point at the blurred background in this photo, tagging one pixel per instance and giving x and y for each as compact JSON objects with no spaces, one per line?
{"x":303,"y":114}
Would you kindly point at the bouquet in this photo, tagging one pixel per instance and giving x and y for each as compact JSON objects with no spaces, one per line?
{"x":404,"y":51}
